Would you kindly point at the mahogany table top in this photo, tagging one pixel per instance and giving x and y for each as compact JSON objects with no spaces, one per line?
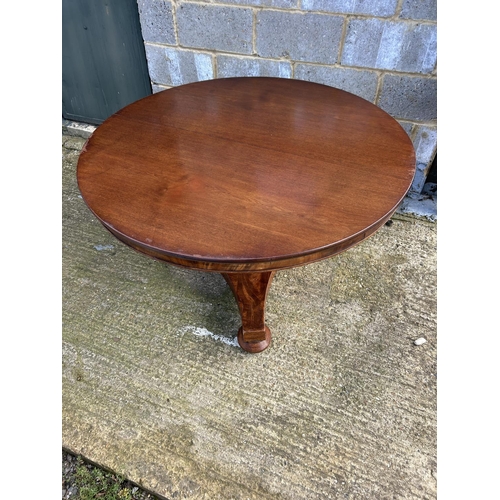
{"x":246,"y":174}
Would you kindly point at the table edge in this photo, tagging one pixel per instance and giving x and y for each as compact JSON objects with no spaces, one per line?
{"x":249,"y":264}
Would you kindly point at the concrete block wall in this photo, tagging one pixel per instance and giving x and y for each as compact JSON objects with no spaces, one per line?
{"x":382,"y":50}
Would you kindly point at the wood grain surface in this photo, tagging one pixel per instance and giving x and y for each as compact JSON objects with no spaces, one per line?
{"x":250,"y":291}
{"x":246,"y":174}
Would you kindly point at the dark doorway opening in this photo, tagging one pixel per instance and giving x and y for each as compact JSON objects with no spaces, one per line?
{"x":432,"y":175}
{"x":430,"y":186}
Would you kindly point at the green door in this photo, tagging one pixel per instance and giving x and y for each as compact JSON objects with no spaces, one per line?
{"x":104,"y":64}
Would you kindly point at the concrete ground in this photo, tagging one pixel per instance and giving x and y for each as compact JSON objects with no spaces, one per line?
{"x":341,"y":406}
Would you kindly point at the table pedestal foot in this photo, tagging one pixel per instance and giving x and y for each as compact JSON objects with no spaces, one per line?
{"x":250,"y":291}
{"x":254,"y":346}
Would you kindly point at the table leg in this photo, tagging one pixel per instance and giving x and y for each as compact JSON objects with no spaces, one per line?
{"x":250,"y":291}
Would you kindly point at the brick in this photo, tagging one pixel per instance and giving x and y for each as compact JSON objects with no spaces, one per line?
{"x":399,"y":46}
{"x":281,"y":4}
{"x":157,"y":22}
{"x":418,"y":180}
{"x":229,"y":66}
{"x":380,"y":8}
{"x":359,"y":82}
{"x":300,"y":37}
{"x":409,"y":97}
{"x":408,"y":127}
{"x":214,"y":27}
{"x":419,"y":9}
{"x":158,"y":88}
{"x":425,"y":143}
{"x":170,"y":66}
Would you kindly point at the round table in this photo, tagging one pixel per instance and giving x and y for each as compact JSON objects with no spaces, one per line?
{"x":246,"y":176}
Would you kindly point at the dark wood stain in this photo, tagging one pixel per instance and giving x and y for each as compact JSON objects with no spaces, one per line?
{"x":246,"y":175}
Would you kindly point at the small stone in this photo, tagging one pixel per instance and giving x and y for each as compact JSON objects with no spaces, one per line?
{"x":420,"y":341}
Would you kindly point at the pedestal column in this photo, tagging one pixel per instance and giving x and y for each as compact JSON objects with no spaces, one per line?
{"x":250,"y":291}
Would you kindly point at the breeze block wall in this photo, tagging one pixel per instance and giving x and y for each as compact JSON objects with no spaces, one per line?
{"x":381,"y":50}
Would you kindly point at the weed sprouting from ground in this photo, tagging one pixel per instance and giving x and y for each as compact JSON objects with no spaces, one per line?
{"x":96,"y":484}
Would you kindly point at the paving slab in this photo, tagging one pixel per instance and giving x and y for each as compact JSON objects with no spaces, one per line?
{"x":342,"y":405}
